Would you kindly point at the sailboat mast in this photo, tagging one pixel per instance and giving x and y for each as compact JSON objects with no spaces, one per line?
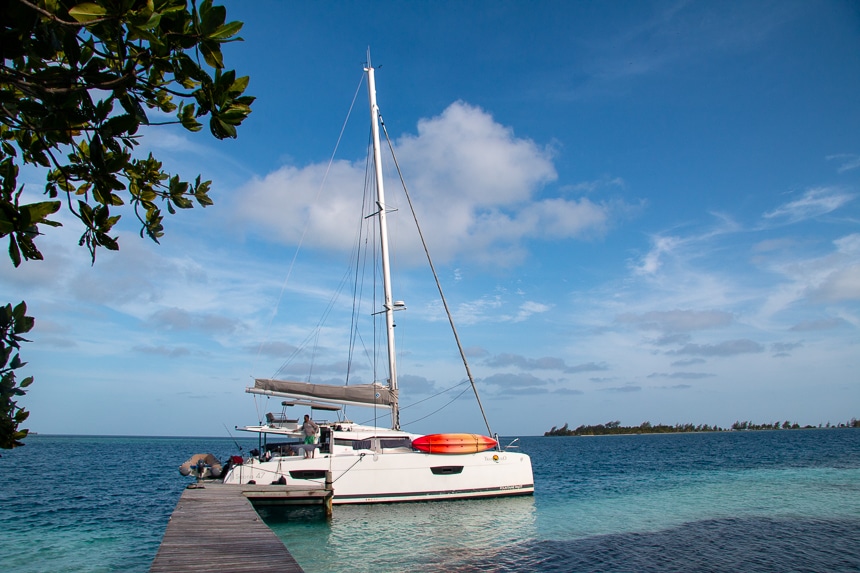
{"x":388,"y":304}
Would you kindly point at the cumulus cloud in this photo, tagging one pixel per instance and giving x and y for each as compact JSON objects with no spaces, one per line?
{"x":669,"y":339}
{"x":682,"y":375}
{"x":814,"y":203}
{"x":586,"y":367}
{"x":473,"y":182}
{"x":169,"y":352}
{"x":688,"y":362}
{"x":841,"y":285}
{"x":784,"y":348}
{"x":516,"y":384}
{"x":622,"y":389}
{"x":568,"y":392}
{"x":819,"y":324}
{"x":180,"y":320}
{"x":727,"y":348}
{"x":416,"y":385}
{"x":546,"y":363}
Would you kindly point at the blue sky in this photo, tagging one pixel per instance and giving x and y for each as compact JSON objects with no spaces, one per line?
{"x":639,"y":211}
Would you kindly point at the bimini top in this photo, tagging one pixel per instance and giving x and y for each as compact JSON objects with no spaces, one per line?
{"x":358,"y":394}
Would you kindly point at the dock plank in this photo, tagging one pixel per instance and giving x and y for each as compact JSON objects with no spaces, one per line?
{"x":217,"y":529}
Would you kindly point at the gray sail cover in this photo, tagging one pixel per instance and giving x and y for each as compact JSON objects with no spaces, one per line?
{"x":360,"y":394}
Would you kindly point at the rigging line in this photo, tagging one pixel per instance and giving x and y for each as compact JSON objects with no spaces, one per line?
{"x":313,"y":336}
{"x":307,"y":223}
{"x":360,"y":457}
{"x":436,"y":395}
{"x":436,"y":277}
{"x":362,"y":246}
{"x":457,"y":397}
{"x":364,"y":243}
{"x":231,"y":436}
{"x":257,"y":408}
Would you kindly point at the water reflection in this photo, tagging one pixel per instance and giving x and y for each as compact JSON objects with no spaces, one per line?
{"x":439,"y":535}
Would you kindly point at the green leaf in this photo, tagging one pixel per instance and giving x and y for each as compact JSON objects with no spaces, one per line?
{"x":122,"y":124}
{"x":212,"y":53}
{"x":220,"y":129}
{"x":189,"y":122}
{"x":225,"y":31}
{"x":14,"y":252}
{"x":87,"y":12}
{"x":239,"y":85}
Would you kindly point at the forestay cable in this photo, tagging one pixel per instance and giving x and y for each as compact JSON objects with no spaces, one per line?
{"x":436,"y":277}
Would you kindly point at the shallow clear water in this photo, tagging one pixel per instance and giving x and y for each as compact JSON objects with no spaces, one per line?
{"x":757,"y":501}
{"x":82,"y":503}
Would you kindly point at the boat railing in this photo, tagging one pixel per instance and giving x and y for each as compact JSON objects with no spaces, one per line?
{"x":281,"y":421}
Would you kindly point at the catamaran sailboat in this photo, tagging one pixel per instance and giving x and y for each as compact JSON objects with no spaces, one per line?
{"x":369,"y":464}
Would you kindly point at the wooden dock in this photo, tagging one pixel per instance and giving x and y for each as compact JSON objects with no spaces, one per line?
{"x":217,"y":529}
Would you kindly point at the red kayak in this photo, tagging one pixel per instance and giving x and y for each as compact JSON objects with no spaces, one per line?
{"x":453,"y":443}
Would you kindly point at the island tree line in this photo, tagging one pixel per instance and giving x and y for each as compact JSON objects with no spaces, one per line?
{"x":615,"y":427}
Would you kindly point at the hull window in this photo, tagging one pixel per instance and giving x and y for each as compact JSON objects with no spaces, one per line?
{"x":446,"y":470}
{"x":307,"y":474}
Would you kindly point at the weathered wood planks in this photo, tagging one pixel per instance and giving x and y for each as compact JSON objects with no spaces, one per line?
{"x":217,"y":529}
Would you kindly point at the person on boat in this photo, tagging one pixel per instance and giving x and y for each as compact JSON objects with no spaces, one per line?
{"x":309,"y":429}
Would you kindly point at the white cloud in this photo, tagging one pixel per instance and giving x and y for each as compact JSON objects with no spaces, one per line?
{"x":848,"y":161}
{"x":815,"y":202}
{"x":473,"y":182}
{"x":591,"y":186}
{"x":841,"y":285}
{"x":831,"y":278}
{"x":529,"y":308}
{"x":848,"y":245}
{"x":819,"y":324}
{"x":681,"y":375}
{"x":545,"y":363}
{"x":661,"y":247}
{"x":727,"y":348}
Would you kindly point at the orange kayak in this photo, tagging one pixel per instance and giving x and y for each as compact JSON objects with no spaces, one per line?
{"x":453,"y":443}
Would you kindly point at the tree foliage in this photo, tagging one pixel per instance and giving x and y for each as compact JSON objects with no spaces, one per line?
{"x":13,"y":323}
{"x":615,"y":427}
{"x":77,"y":82}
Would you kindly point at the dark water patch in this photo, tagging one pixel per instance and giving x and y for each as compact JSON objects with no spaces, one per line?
{"x":750,"y":545}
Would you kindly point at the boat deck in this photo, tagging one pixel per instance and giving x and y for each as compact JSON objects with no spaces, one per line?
{"x":216,"y":528}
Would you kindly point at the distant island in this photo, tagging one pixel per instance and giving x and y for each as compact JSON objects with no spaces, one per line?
{"x":611,"y":428}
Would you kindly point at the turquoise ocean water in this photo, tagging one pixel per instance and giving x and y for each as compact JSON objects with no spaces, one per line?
{"x":752,"y":501}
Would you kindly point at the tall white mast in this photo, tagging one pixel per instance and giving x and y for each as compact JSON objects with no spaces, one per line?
{"x":388,"y":304}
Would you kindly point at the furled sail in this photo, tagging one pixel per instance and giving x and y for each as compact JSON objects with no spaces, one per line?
{"x":358,"y":394}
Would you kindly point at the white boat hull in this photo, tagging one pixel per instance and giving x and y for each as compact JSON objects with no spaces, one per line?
{"x":398,"y":476}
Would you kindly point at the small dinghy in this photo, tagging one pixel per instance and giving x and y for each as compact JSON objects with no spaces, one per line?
{"x":203,"y":466}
